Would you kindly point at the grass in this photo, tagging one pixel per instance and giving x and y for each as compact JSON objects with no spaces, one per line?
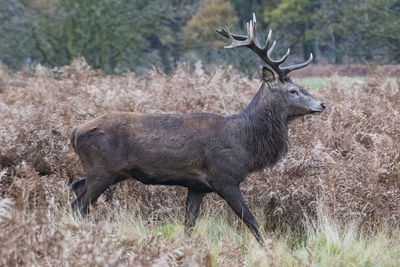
{"x":314,"y":83}
{"x":345,"y":161}
{"x":217,"y":241}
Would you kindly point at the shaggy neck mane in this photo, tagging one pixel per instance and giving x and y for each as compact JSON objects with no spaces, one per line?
{"x":265,"y":130}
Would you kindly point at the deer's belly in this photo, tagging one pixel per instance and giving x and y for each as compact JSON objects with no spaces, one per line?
{"x":171,"y":177}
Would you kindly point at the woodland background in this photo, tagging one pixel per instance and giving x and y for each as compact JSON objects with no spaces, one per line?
{"x":333,"y":200}
{"x":121,"y":35}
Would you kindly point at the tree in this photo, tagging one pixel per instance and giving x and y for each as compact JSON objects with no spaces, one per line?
{"x":169,"y":40}
{"x":294,"y":22}
{"x":329,"y":31}
{"x":136,"y":34}
{"x":245,"y":8}
{"x":200,"y":30}
{"x":16,"y":44}
{"x":373,"y":29}
{"x":111,"y":35}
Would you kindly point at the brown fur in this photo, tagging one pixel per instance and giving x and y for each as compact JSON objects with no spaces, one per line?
{"x":203,"y":152}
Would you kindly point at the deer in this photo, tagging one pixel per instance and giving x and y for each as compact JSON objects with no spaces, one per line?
{"x":203,"y":152}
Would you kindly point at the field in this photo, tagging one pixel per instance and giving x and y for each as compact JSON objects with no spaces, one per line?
{"x":333,"y":200}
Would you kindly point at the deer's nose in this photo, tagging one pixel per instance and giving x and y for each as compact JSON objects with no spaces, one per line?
{"x":323,"y":106}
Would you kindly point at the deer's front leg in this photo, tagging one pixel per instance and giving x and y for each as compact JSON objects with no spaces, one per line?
{"x":234,"y":198}
{"x":193,"y":201}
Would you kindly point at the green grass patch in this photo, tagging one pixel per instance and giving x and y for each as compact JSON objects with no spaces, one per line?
{"x":313,"y":83}
{"x":169,"y":230}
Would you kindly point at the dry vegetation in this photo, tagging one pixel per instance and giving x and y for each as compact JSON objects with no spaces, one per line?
{"x":343,"y":169}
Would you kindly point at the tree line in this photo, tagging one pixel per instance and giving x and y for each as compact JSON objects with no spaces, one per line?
{"x":134,"y":35}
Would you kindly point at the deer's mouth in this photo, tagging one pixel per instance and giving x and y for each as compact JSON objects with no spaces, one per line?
{"x":321,"y":109}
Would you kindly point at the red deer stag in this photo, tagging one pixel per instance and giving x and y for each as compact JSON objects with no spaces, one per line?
{"x":203,"y":152}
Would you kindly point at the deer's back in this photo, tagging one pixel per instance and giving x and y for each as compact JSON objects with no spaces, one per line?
{"x":163,"y":146}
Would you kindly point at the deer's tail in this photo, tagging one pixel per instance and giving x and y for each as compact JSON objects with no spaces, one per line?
{"x":72,"y":138}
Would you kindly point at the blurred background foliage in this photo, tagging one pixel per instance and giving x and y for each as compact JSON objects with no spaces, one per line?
{"x":121,"y":35}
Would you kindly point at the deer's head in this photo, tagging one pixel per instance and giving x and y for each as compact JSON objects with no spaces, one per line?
{"x":295,"y":101}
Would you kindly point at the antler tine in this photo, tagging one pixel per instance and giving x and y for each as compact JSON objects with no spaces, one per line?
{"x":269,"y":52}
{"x":235,"y":42}
{"x":235,"y":36}
{"x":282,"y":59}
{"x":267,"y":42}
{"x":229,"y":35}
{"x":251,"y":32}
{"x":254,"y":32}
{"x":264,"y":53}
{"x":288,"y":69}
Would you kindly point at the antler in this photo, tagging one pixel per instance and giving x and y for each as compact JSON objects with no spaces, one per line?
{"x":264,"y":53}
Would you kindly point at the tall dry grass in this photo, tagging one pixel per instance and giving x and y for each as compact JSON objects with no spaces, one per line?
{"x":347,"y":161}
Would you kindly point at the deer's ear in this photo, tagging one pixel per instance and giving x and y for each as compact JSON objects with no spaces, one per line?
{"x":267,"y":75}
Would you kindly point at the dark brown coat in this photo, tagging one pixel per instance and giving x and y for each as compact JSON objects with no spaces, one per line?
{"x":203,"y":152}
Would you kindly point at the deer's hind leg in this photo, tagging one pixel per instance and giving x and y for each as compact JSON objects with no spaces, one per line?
{"x":91,"y":189}
{"x":78,"y":186}
{"x":193,"y":202}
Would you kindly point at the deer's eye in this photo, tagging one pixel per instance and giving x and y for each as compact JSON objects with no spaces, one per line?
{"x":294,"y":92}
